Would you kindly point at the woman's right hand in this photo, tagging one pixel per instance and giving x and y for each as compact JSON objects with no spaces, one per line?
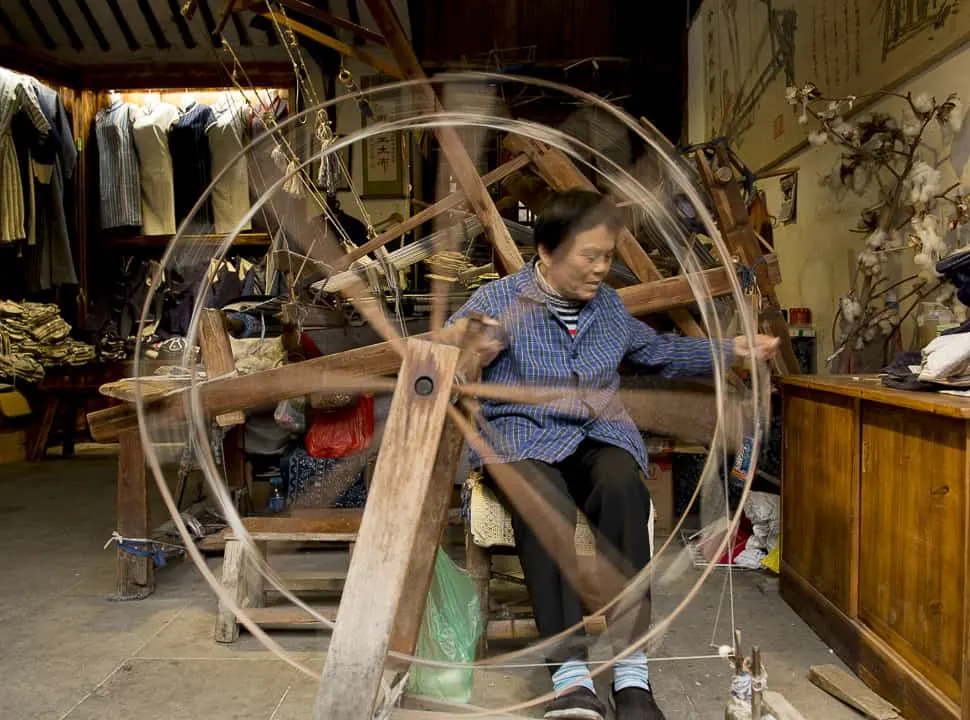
{"x":481,"y":339}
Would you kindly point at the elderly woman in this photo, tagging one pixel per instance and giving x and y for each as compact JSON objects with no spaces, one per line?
{"x":562,"y":326}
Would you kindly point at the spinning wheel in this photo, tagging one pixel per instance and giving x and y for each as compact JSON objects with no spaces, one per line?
{"x":432,"y":413}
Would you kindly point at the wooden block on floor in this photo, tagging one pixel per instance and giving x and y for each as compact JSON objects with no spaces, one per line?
{"x":851,"y":690}
{"x":778,"y":705}
{"x":525,"y":628}
{"x":286,"y":616}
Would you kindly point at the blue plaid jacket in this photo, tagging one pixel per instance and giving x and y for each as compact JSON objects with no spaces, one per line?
{"x":541,"y":352}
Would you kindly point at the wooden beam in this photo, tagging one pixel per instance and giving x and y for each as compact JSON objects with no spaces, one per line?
{"x":431,"y":212}
{"x":241,"y":31}
{"x":739,"y":236}
{"x":10,"y":28}
{"x":210,"y":23}
{"x":180,"y":24}
{"x":461,"y":165}
{"x":93,"y":25}
{"x":672,"y":293}
{"x":217,"y":357}
{"x":392,"y":541}
{"x":135,"y":574}
{"x":38,"y":25}
{"x":310,"y":376}
{"x":334,"y":20}
{"x":123,"y":25}
{"x":66,"y":25}
{"x":331,"y":42}
{"x":154,"y":27}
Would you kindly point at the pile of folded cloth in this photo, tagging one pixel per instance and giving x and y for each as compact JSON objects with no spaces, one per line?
{"x":942,"y":366}
{"x":34,"y":336}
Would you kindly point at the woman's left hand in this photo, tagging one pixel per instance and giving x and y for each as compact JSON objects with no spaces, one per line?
{"x":764,"y":347}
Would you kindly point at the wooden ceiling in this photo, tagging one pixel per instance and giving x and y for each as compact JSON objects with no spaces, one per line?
{"x":89,"y":32}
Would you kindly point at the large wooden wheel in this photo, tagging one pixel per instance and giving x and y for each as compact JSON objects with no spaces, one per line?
{"x":431,"y":413}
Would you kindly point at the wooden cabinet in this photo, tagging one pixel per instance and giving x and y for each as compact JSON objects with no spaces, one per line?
{"x":874,"y":534}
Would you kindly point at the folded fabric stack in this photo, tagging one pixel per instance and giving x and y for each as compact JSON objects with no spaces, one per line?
{"x":946,"y":361}
{"x":34,"y":336}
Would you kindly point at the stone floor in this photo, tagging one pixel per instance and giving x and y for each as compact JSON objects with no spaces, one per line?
{"x":68,"y":653}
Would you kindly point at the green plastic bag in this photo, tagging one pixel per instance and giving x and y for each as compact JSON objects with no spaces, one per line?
{"x":450,"y":630}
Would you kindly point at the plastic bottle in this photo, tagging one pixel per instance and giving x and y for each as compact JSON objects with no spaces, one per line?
{"x":276,"y":502}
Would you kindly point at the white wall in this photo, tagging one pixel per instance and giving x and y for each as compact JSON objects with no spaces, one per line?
{"x":816,"y":254}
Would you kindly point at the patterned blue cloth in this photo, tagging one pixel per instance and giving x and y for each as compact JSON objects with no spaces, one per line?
{"x":540,"y":352}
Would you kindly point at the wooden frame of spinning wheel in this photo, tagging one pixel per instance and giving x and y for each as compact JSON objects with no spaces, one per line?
{"x":408,"y":500}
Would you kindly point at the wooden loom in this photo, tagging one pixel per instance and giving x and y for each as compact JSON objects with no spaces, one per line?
{"x":409,"y":495}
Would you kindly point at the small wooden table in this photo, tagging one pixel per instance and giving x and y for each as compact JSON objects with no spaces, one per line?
{"x":875,"y":546}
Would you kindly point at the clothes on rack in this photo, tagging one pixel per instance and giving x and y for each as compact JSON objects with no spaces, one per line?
{"x":16,"y":95}
{"x":192,"y":165}
{"x":230,"y":194}
{"x":119,"y":179}
{"x":151,"y":127}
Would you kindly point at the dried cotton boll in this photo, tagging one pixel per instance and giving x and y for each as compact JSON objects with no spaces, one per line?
{"x":877,"y":239}
{"x":851,"y":310}
{"x":726,"y":651}
{"x":844,"y":129}
{"x":885,"y":327}
{"x":791,"y":95}
{"x":803,"y":118}
{"x":911,"y":128}
{"x":955,"y":119}
{"x":923,"y":103}
{"x":860,"y":344}
{"x":869,"y":334}
{"x":818,"y":138}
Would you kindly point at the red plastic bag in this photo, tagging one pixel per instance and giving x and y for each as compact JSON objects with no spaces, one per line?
{"x":344,"y":432}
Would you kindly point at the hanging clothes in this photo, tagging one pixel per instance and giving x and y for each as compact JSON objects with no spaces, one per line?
{"x":192,"y":165}
{"x":118,"y":171}
{"x":16,"y":94}
{"x":51,"y":262}
{"x":230,"y":195}
{"x":151,"y":126}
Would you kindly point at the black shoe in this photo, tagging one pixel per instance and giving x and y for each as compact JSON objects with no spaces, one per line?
{"x":578,"y":704}
{"x":635,"y":703}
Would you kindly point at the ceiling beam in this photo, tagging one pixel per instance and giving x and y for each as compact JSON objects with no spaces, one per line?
{"x":93,"y":25}
{"x":39,"y":27}
{"x":210,"y":23}
{"x":334,"y":20}
{"x":333,"y":43}
{"x":154,"y":27}
{"x":241,"y":30}
{"x":123,"y":25}
{"x":10,"y":28}
{"x":183,"y":27}
{"x":66,"y":24}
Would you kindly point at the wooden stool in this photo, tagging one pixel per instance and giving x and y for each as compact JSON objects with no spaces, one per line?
{"x":492,"y":535}
{"x":243,"y":581}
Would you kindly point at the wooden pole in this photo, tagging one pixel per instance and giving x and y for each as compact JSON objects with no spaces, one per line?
{"x":756,"y":688}
{"x":464,"y":169}
{"x":392,"y":543}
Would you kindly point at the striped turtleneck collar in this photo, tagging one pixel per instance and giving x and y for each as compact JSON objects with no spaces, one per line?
{"x":565,"y":309}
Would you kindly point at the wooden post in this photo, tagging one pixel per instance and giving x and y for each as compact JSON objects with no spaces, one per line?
{"x":216,"y":353}
{"x":466,"y":175}
{"x":391,"y":544}
{"x":756,"y":688}
{"x":136,"y":575}
{"x":740,"y":238}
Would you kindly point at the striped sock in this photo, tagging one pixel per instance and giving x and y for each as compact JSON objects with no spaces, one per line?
{"x":631,"y":671}
{"x":572,"y":674}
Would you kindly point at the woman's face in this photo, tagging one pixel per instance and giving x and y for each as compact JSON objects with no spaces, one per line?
{"x":577,"y":267}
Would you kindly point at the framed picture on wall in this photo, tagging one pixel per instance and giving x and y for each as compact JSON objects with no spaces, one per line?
{"x":384,"y":157}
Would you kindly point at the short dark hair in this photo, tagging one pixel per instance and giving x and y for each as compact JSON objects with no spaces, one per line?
{"x":570,"y":213}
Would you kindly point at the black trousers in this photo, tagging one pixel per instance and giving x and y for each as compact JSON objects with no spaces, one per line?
{"x":603,"y":482}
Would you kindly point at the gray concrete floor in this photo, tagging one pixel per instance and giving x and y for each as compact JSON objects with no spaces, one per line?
{"x":66,"y":652}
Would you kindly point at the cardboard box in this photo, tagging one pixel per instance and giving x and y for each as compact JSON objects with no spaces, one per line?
{"x":660,"y":483}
